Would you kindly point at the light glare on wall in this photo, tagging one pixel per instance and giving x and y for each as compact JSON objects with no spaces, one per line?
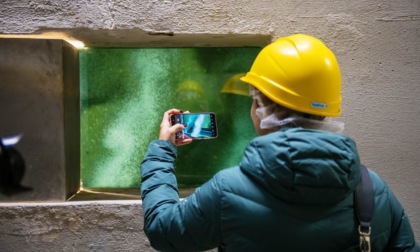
{"x":48,"y":35}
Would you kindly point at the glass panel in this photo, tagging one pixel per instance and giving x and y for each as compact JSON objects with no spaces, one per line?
{"x":124,"y":93}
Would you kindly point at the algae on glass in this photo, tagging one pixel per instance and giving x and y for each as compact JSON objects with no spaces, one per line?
{"x":124,"y":93}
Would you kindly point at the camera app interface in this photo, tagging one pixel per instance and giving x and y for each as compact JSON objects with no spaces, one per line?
{"x":197,"y":126}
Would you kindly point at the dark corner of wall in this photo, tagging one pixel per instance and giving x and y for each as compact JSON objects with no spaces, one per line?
{"x":71,"y":114}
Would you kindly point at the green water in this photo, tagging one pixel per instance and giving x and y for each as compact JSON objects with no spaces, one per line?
{"x":124,"y":93}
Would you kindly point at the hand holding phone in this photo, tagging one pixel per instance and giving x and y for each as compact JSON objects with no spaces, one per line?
{"x":168,"y":131}
{"x":198,"y":126}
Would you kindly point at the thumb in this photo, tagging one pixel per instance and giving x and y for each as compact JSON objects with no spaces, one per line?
{"x":177,"y":127}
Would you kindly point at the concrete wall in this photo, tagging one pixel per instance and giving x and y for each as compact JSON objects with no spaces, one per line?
{"x":106,"y":226}
{"x":376,"y":43}
{"x":84,"y":226}
{"x":39,"y":98}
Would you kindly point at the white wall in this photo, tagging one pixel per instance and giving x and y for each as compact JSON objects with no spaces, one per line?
{"x":376,"y":42}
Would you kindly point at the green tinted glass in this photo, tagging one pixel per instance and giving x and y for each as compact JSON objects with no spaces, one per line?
{"x":124,"y":93}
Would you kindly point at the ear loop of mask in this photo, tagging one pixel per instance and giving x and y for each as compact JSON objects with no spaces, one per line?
{"x":256,"y":95}
{"x":268,"y":120}
{"x":270,"y":117}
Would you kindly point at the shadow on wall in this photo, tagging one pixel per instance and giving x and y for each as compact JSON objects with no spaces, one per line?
{"x":12,"y":167}
{"x":39,"y":98}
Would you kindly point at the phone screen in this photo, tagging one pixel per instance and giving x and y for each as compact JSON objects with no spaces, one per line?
{"x":197,"y":125}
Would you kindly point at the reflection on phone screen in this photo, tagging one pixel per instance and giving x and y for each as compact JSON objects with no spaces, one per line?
{"x":197,"y":126}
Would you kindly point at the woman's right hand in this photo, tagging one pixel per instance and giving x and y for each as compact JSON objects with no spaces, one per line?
{"x":168,"y":131}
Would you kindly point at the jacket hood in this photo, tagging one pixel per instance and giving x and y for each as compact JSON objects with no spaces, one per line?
{"x":304,"y":166}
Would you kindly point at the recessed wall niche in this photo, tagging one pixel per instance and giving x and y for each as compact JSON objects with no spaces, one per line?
{"x":125,"y":91}
{"x":39,"y":98}
{"x":88,"y":116}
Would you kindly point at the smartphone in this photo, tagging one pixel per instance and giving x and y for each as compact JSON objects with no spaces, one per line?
{"x":197,"y":125}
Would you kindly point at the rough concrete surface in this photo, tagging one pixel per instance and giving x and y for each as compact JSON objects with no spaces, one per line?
{"x":32,"y":84}
{"x":376,"y":43}
{"x":114,"y":226}
{"x":73,"y":226}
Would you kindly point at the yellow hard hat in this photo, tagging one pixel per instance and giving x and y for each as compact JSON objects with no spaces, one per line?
{"x":235,"y":86}
{"x":298,"y":72}
{"x":190,"y":85}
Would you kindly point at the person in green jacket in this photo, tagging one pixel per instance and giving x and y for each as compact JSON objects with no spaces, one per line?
{"x":294,"y":187}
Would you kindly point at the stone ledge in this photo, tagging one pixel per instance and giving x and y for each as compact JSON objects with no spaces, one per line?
{"x":69,"y":226}
{"x":135,"y":37}
{"x":106,"y":225}
{"x":116,"y":194}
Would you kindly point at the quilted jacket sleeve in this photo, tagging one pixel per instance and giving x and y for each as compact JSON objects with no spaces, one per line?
{"x":172,"y":224}
{"x":402,"y":238}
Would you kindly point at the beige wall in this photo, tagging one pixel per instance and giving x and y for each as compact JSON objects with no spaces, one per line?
{"x":376,"y":43}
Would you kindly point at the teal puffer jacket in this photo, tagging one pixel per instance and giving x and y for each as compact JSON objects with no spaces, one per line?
{"x":292,"y":191}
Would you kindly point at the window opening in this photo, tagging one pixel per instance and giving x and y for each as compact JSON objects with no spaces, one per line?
{"x":124,"y":92}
